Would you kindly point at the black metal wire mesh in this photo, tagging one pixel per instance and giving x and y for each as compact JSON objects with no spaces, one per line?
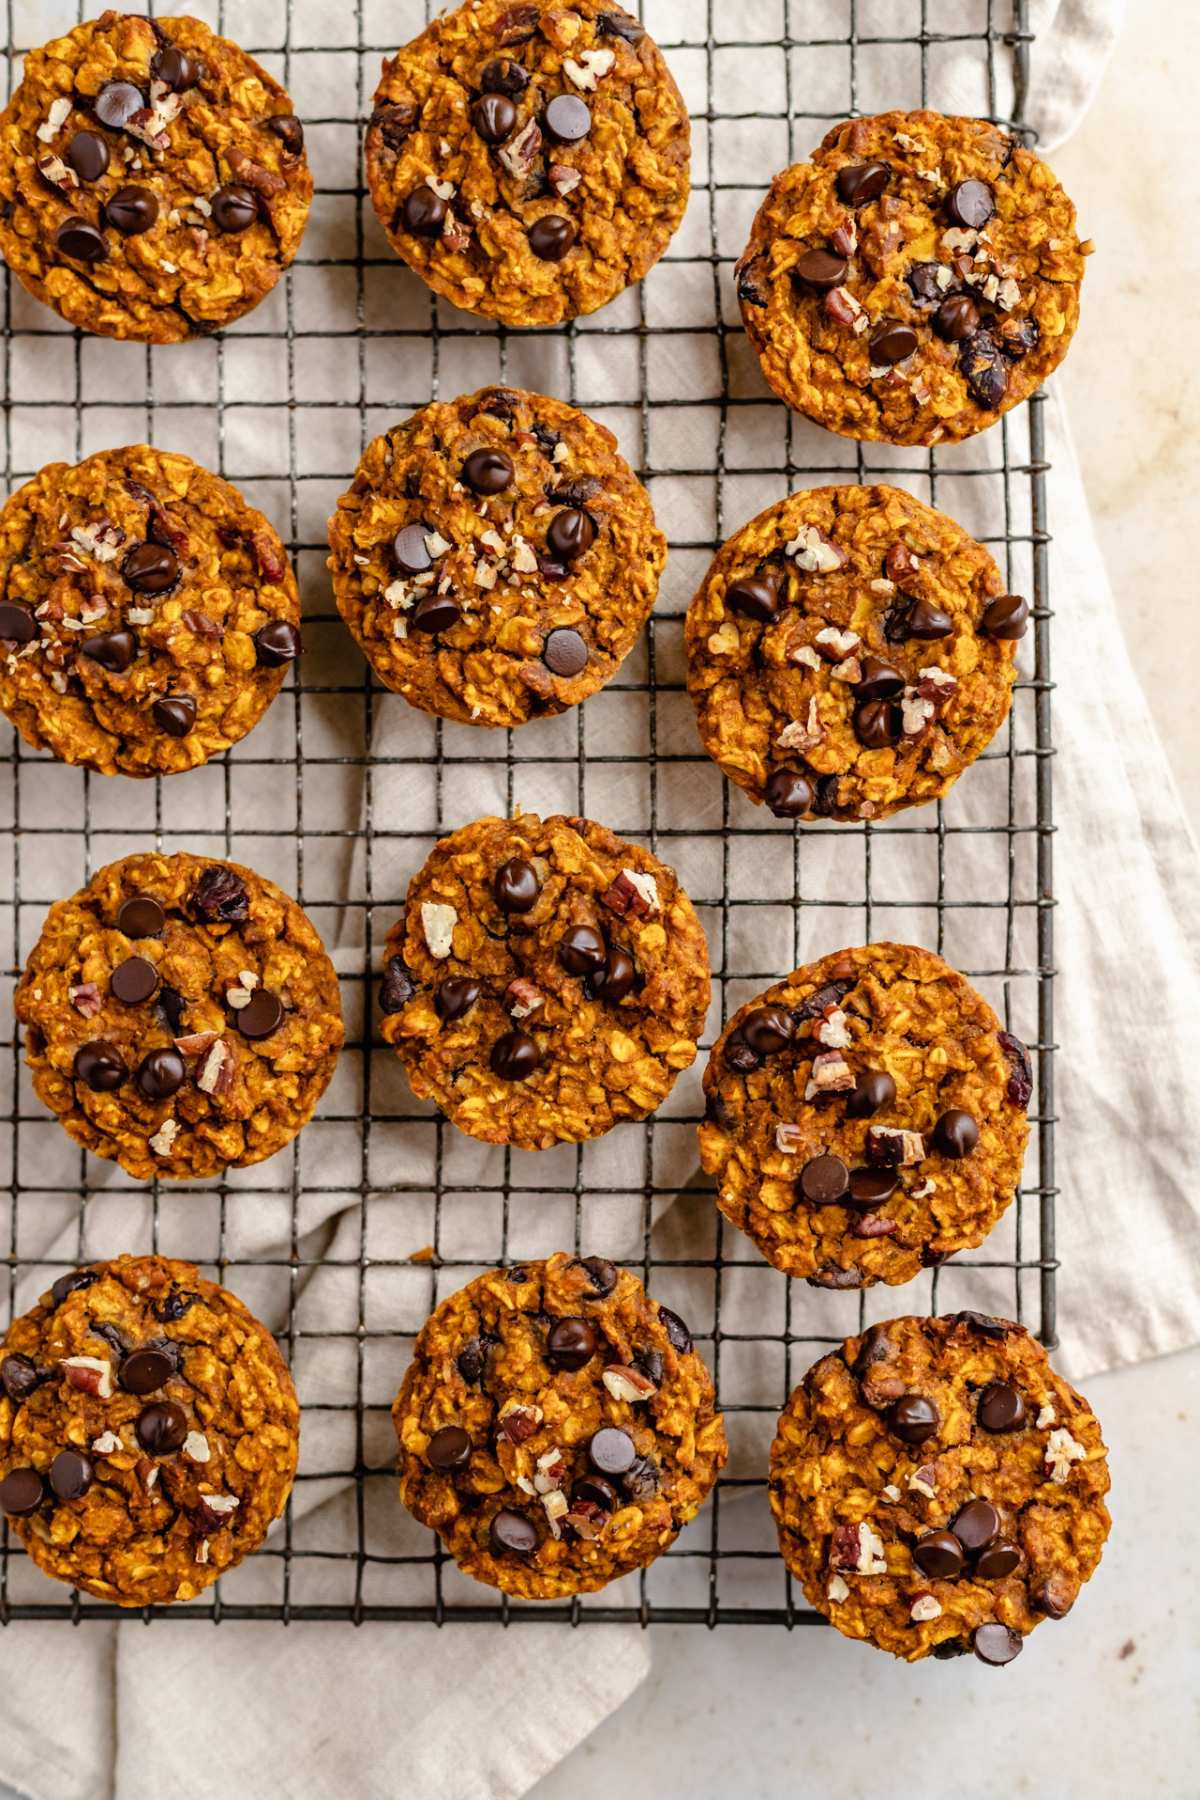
{"x":321,"y":1240}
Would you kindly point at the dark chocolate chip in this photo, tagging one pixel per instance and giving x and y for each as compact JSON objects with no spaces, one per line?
{"x":976,"y":1525}
{"x":640,"y":1480}
{"x":823,"y":1180}
{"x":971,"y":204}
{"x":859,"y":182}
{"x":434,"y":613}
{"x":277,"y":642}
{"x":144,"y":1371}
{"x":571,"y":534}
{"x":179,"y":70}
{"x":134,"y":980}
{"x":161,"y":1074}
{"x":141,"y":916}
{"x":263,"y":1016}
{"x":996,"y":1644}
{"x":487,"y":471}
{"x":455,"y":997}
{"x":504,"y":76}
{"x":603,"y":1274}
{"x":175,"y":714}
{"x":1006,"y":617}
{"x":234,"y":208}
{"x":913,"y":1418}
{"x":290,"y":132}
{"x":70,"y":1475}
{"x":220,"y":897}
{"x":515,"y":1056}
{"x":1020,"y":1081}
{"x":814,"y":1007}
{"x":611,"y":1451}
{"x":567,"y":119}
{"x":87,"y":153}
{"x":597,"y":1492}
{"x":21,"y":1492}
{"x":116,"y":103}
{"x":821,"y":269}
{"x":132,"y":210}
{"x":998,"y":1560}
{"x":409,"y":550}
{"x":873,"y":1090}
{"x":1001,"y":1407}
{"x":582,"y":950}
{"x":551,"y":236}
{"x":955,"y":1134}
{"x":738,"y":1055}
{"x":927,"y":622}
{"x":512,"y":1534}
{"x":837,"y":1279}
{"x":173,"y":1308}
{"x":515,"y":886}
{"x":981,"y":360}
{"x":161,"y":1427}
{"x":617,"y":978}
{"x":651,"y":1364}
{"x":564,"y":652}
{"x":788,"y":794}
{"x":891,"y":342}
{"x":927,"y":284}
{"x":109,"y":1335}
{"x":19,"y":1377}
{"x":71,"y":1282}
{"x":396,"y":123}
{"x":877,"y":724}
{"x":985,"y":1324}
{"x":956,"y":318}
{"x":939,"y":1554}
{"x":111,"y":650}
{"x":880,"y":681}
{"x":572,"y":1343}
{"x":151,"y":568}
{"x":472,"y":1358}
{"x":76,"y":238}
{"x":869,"y":1188}
{"x":17,"y":623}
{"x":676,"y":1330}
{"x":767,"y":1029}
{"x":621,"y":25}
{"x":756,"y":596}
{"x":449,"y":1448}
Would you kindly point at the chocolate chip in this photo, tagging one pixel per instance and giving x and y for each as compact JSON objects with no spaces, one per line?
{"x":821,"y":269}
{"x":603,"y":1274}
{"x":597,"y":1492}
{"x":767,"y":1029}
{"x":823,"y":1181}
{"x":263,"y":1016}
{"x":985,"y":1324}
{"x":472,"y":1358}
{"x":515,"y":886}
{"x":409,"y":551}
{"x":998,"y":1560}
{"x":17,"y":623}
{"x":611,"y":1451}
{"x":873,"y":1090}
{"x":19,"y":1377}
{"x":116,"y":103}
{"x":677,"y":1332}
{"x":738,"y":1054}
{"x":512,"y":1534}
{"x":143,"y":1371}
{"x":956,"y":1134}
{"x":1020,"y":1081}
{"x":880,"y":681}
{"x":449,"y":1448}
{"x":87,"y":153}
{"x":877,"y":724}
{"x":1006,"y":617}
{"x":75,"y":237}
{"x":515,"y":1056}
{"x":134,"y":980}
{"x":290,"y":132}
{"x":571,"y":534}
{"x":70,"y":1475}
{"x":788,"y":794}
{"x":71,"y":1282}
{"x":996,"y":1644}
{"x":220,"y":897}
{"x":913,"y":1418}
{"x":234,"y":208}
{"x":640,"y":1480}
{"x":621,"y":25}
{"x":395,"y":123}
{"x":582,"y":950}
{"x":939,"y":1554}
{"x":1001,"y":1407}
{"x":567,"y":119}
{"x":111,"y":650}
{"x":1017,"y":336}
{"x":859,"y":182}
{"x":981,"y":360}
{"x":572,"y":1343}
{"x":617,"y":978}
{"x":504,"y":76}
{"x":179,"y":70}
{"x":869,"y":1188}
{"x":434,"y":613}
{"x":455,"y":997}
{"x":161,"y":1074}
{"x":564,"y":652}
{"x":551,"y":236}
{"x":175,"y":714}
{"x":21,"y":1492}
{"x":891,"y":342}
{"x":396,"y":989}
{"x":971,"y":204}
{"x":756,"y":596}
{"x":927,"y":284}
{"x":487,"y":471}
{"x":151,"y":568}
{"x":275,"y":643}
{"x":927,"y":622}
{"x":141,"y":916}
{"x":976,"y":1525}
{"x":132,"y":210}
{"x":161,"y":1427}
{"x":956,"y":318}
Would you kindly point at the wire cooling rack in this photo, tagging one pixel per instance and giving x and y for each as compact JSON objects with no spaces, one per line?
{"x":347,"y":1239}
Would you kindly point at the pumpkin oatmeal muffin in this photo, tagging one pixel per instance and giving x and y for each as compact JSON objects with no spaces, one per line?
{"x":557,"y":1429}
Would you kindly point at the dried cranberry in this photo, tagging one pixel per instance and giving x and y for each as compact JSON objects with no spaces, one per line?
{"x":1020,"y":1080}
{"x":396,"y":989}
{"x":220,"y":897}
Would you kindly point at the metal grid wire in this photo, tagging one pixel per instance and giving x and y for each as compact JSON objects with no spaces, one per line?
{"x":346,"y":1239}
